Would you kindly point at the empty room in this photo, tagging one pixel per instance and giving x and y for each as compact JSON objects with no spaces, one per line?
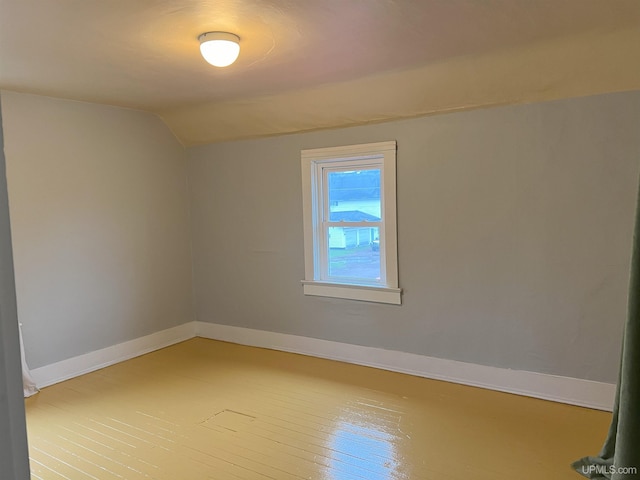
{"x":323,"y":239}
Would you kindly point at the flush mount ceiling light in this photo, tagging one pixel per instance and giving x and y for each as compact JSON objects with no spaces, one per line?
{"x":220,"y":49}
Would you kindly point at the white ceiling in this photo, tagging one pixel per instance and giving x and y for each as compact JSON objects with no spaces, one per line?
{"x":322,"y":60}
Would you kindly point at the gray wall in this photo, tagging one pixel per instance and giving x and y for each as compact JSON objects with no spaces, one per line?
{"x":14,"y":461}
{"x":100,"y":224}
{"x":514,"y":226}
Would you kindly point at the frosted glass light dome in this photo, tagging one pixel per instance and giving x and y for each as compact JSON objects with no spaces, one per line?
{"x":220,"y":49}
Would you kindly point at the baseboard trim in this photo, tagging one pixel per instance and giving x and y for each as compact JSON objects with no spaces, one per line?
{"x":89,"y":362}
{"x":574,"y":391}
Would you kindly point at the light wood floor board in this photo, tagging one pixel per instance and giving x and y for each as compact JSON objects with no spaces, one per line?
{"x":204,"y":409}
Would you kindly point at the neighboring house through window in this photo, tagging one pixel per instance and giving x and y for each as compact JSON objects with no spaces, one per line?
{"x":349,"y":205}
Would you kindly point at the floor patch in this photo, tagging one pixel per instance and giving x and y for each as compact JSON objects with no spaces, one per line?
{"x":229,"y":419}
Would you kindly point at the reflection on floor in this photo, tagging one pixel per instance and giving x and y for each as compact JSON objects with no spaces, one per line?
{"x":212,"y":410}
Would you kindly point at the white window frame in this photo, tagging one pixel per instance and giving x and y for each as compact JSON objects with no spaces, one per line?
{"x":316,"y":163}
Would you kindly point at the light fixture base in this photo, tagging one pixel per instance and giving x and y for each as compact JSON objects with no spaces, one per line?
{"x":209,"y":36}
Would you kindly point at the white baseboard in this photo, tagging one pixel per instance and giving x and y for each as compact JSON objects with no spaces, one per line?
{"x":569,"y":390}
{"x":76,"y":366}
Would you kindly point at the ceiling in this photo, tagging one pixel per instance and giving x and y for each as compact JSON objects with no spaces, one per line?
{"x":307,"y":64}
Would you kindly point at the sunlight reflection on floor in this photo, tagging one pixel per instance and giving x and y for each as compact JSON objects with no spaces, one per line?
{"x":359,"y":451}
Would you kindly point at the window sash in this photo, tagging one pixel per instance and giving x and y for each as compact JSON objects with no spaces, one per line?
{"x":321,"y":239}
{"x":323,"y":250}
{"x":325,"y":274}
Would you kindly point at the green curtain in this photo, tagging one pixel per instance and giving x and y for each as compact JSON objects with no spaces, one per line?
{"x":619,"y":458}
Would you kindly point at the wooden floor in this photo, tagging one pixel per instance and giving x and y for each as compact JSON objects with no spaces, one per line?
{"x":211,"y":410}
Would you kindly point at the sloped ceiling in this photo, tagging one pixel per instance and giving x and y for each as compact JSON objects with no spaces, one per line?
{"x":308,"y":64}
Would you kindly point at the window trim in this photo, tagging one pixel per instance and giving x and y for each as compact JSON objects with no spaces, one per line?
{"x":352,"y":155}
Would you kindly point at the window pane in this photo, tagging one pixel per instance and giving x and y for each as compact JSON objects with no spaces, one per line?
{"x":354,"y":253}
{"x":354,"y":196}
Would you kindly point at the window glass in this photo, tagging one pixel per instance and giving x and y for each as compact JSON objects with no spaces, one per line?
{"x":354,"y":253}
{"x":354,"y":196}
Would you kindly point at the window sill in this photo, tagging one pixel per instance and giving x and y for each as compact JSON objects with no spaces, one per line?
{"x":353,"y":292}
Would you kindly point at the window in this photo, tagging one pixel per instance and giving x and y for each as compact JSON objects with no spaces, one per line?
{"x":349,"y":206}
